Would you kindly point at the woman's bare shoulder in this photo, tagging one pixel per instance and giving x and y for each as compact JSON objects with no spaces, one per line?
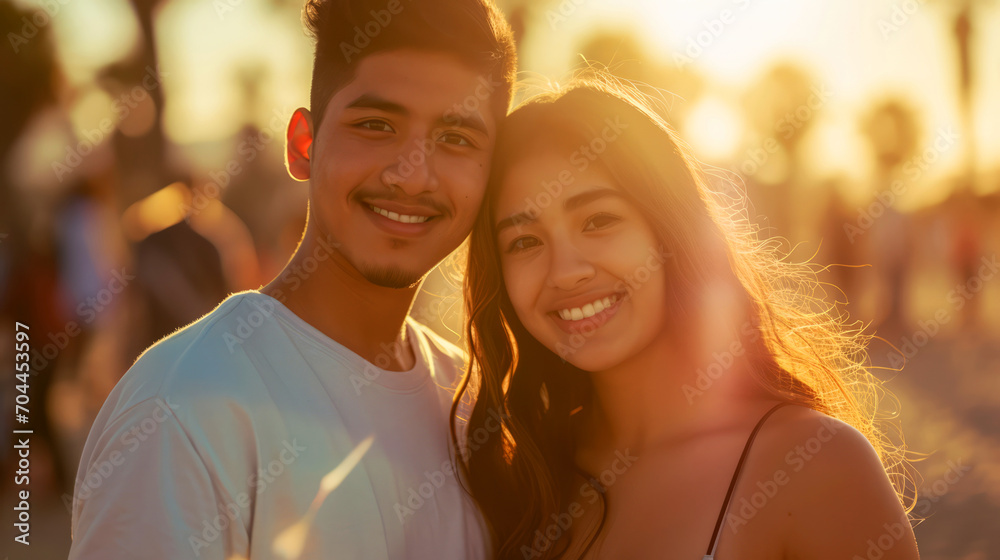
{"x":838,"y":498}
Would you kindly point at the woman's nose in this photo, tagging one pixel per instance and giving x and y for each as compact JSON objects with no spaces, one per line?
{"x":569,"y":268}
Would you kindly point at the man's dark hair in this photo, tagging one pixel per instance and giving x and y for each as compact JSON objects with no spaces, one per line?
{"x":346,"y":31}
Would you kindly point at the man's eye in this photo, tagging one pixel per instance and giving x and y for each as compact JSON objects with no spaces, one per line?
{"x":456,"y":139}
{"x":522,"y":243}
{"x":600,"y":221}
{"x":376,"y":125}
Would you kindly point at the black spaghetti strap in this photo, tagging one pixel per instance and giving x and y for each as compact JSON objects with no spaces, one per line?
{"x":710,"y":554}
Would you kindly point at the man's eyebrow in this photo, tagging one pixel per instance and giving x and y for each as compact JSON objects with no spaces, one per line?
{"x":570,"y":203}
{"x":471,"y":121}
{"x":372,"y":101}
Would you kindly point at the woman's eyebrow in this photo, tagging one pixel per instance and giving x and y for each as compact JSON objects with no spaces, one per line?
{"x":585,"y":197}
{"x":571,"y":203}
{"x":519,"y":219}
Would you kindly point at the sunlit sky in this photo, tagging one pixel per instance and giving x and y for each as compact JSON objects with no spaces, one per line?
{"x":204,"y":49}
{"x":841,"y":42}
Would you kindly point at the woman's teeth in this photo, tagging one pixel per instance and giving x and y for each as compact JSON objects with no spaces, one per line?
{"x":402,"y":218}
{"x":588,"y":310}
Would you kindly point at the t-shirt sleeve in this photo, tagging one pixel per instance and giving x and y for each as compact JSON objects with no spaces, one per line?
{"x":146,"y":493}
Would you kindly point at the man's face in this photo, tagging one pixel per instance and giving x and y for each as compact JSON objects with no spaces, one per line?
{"x":400,"y":162}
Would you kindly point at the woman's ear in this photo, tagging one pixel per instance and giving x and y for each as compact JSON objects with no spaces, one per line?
{"x":298,"y":144}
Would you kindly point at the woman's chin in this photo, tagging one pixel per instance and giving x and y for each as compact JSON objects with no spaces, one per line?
{"x":589,"y":359}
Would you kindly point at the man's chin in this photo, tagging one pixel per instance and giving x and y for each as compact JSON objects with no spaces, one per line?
{"x":392,"y":277}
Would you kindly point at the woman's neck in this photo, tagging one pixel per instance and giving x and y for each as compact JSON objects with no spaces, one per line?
{"x":671,"y":391}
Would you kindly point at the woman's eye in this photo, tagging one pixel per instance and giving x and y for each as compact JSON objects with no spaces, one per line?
{"x":600,"y":221}
{"x":456,"y":139}
{"x":377,"y":126}
{"x":522,"y":243}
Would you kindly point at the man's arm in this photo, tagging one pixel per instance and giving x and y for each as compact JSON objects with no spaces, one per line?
{"x":145,"y":492}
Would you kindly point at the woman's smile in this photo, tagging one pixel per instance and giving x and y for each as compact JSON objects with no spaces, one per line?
{"x":566,"y":265}
{"x":588,"y":317}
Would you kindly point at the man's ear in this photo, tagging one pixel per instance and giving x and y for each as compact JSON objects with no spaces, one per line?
{"x":298,"y":144}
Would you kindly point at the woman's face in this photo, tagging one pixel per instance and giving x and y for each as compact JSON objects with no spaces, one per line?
{"x":583,"y":268}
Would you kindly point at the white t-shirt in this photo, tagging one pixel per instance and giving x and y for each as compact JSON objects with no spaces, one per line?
{"x":239,"y":437}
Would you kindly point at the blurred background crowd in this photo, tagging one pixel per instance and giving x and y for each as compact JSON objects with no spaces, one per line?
{"x":143,"y":180}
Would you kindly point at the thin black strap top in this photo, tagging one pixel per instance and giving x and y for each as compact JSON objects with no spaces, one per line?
{"x":714,"y":544}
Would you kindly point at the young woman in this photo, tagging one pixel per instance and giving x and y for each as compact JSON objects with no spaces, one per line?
{"x":629,"y":336}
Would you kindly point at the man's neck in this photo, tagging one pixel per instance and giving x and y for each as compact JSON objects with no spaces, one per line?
{"x":320,"y":286}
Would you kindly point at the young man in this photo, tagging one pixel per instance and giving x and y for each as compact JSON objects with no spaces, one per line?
{"x":310,"y":419}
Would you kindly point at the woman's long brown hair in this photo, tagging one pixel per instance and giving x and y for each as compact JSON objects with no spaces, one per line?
{"x":517,"y":447}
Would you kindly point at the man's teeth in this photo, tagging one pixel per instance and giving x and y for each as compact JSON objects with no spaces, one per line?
{"x":588,"y":310}
{"x":403,"y":218}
